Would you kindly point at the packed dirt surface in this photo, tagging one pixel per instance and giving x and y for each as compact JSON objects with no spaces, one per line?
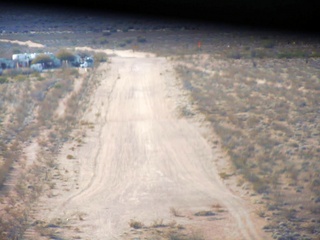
{"x":142,"y":159}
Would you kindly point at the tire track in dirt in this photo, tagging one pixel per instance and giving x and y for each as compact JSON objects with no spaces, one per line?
{"x":102,"y":125}
{"x":143,"y":160}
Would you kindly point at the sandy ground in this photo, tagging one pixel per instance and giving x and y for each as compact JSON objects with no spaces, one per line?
{"x":27,"y":43}
{"x":140,"y":160}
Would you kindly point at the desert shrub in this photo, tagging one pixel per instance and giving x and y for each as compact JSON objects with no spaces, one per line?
{"x":42,"y":58}
{"x":204,"y":213}
{"x":224,"y":175}
{"x":315,"y":209}
{"x":70,"y":72}
{"x":260,"y":186}
{"x":173,"y":235}
{"x":314,"y":54}
{"x":16,"y":51}
{"x":135,"y":224}
{"x":311,"y":228}
{"x":17,"y":71}
{"x":315,"y":186}
{"x":158,"y":223}
{"x":113,"y":30}
{"x":122,"y":44}
{"x":289,"y":214}
{"x":9,"y":155}
{"x":106,"y":34}
{"x":268,"y":43}
{"x":129,"y":41}
{"x":3,"y":80}
{"x":235,"y":55}
{"x":259,"y":53}
{"x":175,"y":212}
{"x":176,"y":236}
{"x":103,"y":41}
{"x":293,"y":54}
{"x":261,"y":212}
{"x":312,"y":85}
{"x":141,"y":39}
{"x":100,"y":57}
{"x":84,"y":54}
{"x":20,"y":78}
{"x":65,"y":55}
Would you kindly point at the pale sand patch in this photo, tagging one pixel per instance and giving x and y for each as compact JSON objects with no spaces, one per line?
{"x":27,"y":43}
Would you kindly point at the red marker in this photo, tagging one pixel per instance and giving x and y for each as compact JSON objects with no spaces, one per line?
{"x":199,"y":44}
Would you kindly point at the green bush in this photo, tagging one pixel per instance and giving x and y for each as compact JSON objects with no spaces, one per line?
{"x":42,"y":58}
{"x":65,"y":55}
{"x":100,"y":57}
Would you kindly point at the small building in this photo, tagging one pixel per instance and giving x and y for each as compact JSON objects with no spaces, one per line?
{"x":21,"y":59}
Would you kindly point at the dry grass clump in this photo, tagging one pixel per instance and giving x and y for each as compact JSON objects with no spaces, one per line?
{"x":204,"y":213}
{"x":163,"y":231}
{"x":135,"y":224}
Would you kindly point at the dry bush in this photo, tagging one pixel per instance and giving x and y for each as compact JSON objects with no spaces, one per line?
{"x":194,"y":235}
{"x":204,"y":213}
{"x":175,"y":212}
{"x":135,"y":224}
{"x":158,"y":223}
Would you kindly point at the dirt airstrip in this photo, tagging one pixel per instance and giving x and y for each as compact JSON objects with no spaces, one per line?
{"x":141,"y":161}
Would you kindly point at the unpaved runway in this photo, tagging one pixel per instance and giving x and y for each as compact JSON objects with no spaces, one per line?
{"x":141,"y":160}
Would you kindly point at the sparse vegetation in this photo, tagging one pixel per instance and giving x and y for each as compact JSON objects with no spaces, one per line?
{"x":264,"y":114}
{"x":26,"y":107}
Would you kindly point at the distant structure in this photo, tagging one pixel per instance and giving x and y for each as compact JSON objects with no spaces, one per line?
{"x":6,"y":63}
{"x":87,"y":62}
{"x":24,"y":60}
